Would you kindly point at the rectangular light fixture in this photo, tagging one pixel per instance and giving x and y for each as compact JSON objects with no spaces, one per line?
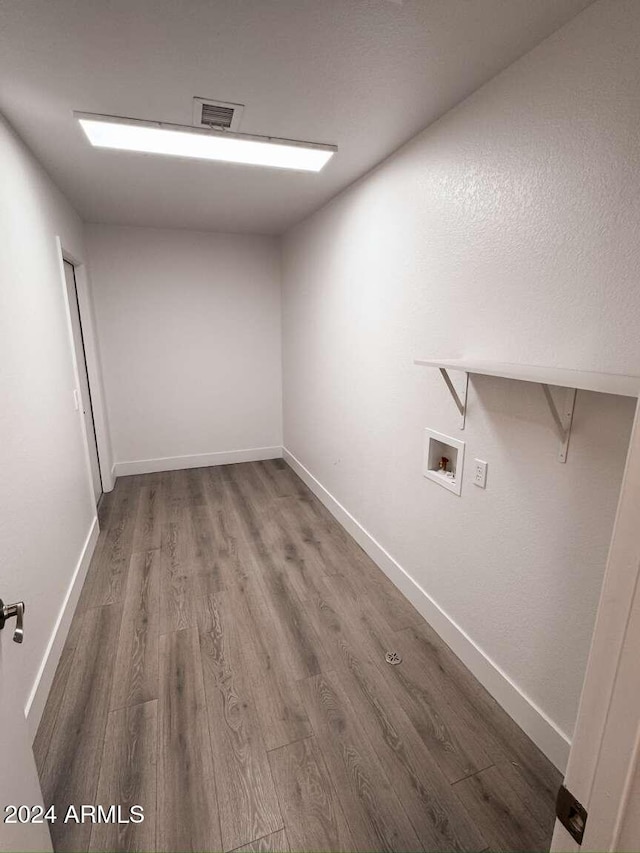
{"x":203,"y":144}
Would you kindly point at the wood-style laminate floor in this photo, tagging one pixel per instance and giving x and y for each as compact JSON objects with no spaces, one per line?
{"x":225,"y":670}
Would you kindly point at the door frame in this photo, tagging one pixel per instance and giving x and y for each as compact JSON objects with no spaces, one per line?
{"x":94,"y":373}
{"x":605,"y":748}
{"x":82,"y":400}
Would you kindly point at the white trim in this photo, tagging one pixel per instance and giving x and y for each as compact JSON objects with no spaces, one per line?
{"x":94,"y":373}
{"x":195,"y":460}
{"x":43,"y":680}
{"x":63,"y":256}
{"x":94,"y":370}
{"x":549,"y":738}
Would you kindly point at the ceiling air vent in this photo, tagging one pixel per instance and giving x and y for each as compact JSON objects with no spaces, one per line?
{"x":216,"y":114}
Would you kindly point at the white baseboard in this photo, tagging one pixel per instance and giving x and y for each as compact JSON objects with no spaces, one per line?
{"x":195,"y":460}
{"x":542,"y":731}
{"x":44,"y":678}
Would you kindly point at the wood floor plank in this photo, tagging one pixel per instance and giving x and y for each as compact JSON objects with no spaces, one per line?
{"x":311,"y":509}
{"x":276,"y":842}
{"x":280,"y":479}
{"x":213,"y":488}
{"x":245,"y":512}
{"x":501,"y":815}
{"x":293,"y":633}
{"x":275,"y":603}
{"x":541,"y":809}
{"x":443,"y":730}
{"x":205,"y":586}
{"x":302,"y":569}
{"x":321,"y":547}
{"x":408,"y":761}
{"x":49,"y":717}
{"x":70,"y":774}
{"x":178,"y":609}
{"x":187,"y":813}
{"x":104,"y":507}
{"x":211,"y":560}
{"x":286,"y":626}
{"x":151,"y":514}
{"x":107,"y":575}
{"x":136,"y":672}
{"x":463,"y":727}
{"x":44,"y":734}
{"x":249,"y":510}
{"x":375,"y":815}
{"x":288,"y":498}
{"x":492,"y":728}
{"x":247,"y":799}
{"x":339,"y":553}
{"x":339,"y":614}
{"x":384,"y":596}
{"x":281,"y":715}
{"x":128,"y":778}
{"x":310,"y":805}
{"x":176,"y":495}
{"x":235,"y":562}
{"x":431,"y":806}
{"x":194,"y":478}
{"x":356,"y":627}
{"x":203,"y":544}
{"x":302,"y":561}
{"x":198,"y":560}
{"x":346,"y":552}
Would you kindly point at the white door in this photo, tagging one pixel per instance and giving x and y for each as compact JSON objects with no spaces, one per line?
{"x":603,"y":772}
{"x":83,"y":377}
{"x":18,"y":777}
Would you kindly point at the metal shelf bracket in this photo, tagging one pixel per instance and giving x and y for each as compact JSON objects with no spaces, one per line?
{"x":563,"y":419}
{"x":461,"y":405}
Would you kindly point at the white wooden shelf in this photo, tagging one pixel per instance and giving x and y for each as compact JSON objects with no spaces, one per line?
{"x":547,"y":377}
{"x":581,"y":380}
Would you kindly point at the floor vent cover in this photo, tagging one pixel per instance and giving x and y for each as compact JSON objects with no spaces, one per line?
{"x":393,"y":658}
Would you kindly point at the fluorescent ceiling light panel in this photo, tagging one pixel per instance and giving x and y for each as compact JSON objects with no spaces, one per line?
{"x":178,"y":141}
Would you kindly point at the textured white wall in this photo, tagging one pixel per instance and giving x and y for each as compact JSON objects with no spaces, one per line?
{"x":46,"y":504}
{"x":507,"y":231}
{"x":189,"y":332}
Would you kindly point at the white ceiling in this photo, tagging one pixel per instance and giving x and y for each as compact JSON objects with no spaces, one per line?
{"x":365,"y":75}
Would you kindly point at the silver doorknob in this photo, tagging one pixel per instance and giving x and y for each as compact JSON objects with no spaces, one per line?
{"x":8,"y":611}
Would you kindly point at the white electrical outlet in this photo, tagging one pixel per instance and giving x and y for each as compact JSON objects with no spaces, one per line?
{"x":480,"y":473}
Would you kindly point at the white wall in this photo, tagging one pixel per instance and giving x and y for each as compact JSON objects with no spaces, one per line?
{"x":189,"y":331}
{"x":46,"y":503}
{"x":507,"y":231}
